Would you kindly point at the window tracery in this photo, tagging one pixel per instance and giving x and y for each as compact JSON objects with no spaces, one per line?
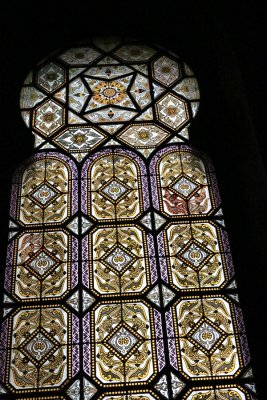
{"x":119,"y":281}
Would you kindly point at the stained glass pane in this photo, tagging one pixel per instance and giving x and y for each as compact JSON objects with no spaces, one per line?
{"x":119,"y":281}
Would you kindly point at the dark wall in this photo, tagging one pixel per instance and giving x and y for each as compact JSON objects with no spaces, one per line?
{"x":223,"y":46}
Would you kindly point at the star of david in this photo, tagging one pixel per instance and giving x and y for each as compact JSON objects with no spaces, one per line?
{"x":194,"y":254}
{"x":39,"y":346}
{"x":184,"y":186}
{"x":207,"y":336}
{"x":44,"y":194}
{"x":118,"y":259}
{"x":114,"y":190}
{"x":123,"y":341}
{"x":111,"y":92}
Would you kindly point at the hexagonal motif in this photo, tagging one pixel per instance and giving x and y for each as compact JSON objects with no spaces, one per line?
{"x":172,"y":111}
{"x":79,"y":56}
{"x":48,"y":117}
{"x":133,"y":52}
{"x":166,"y":70}
{"x":51,"y":77}
{"x":79,"y":139}
{"x":140,"y":135}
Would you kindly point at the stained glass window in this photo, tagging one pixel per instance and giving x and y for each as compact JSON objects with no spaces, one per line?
{"x":119,"y":281}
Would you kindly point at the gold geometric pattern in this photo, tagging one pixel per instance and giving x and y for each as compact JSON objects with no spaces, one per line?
{"x":38,"y":352}
{"x":184,"y":188}
{"x":44,"y":192}
{"x":117,"y":260}
{"x":115,"y":188}
{"x":41,"y":268}
{"x":196,"y":258}
{"x":205,"y":337}
{"x":124,"y":346}
{"x":218,"y":392}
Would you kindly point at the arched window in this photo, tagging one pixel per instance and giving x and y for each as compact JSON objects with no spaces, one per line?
{"x":119,"y":281}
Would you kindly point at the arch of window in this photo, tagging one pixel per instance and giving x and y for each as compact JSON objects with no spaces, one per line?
{"x":119,"y":281}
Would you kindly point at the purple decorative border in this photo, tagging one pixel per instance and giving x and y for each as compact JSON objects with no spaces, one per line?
{"x":229,"y":264}
{"x":85,"y":273}
{"x":160,"y":241}
{"x":75,"y":329}
{"x":172,"y":353}
{"x":227,"y":253}
{"x":74,"y":246}
{"x":145,"y":193}
{"x":215,"y":189}
{"x":74,"y":198}
{"x":153,"y":269}
{"x":169,"y":324}
{"x":86,"y":328}
{"x":158,"y":324}
{"x":225,"y":241}
{"x":150,"y":245}
{"x":84,"y":196}
{"x":239,"y":319}
{"x":13,"y":200}
{"x":4,"y":331}
{"x":245,"y":349}
{"x":74,"y":274}
{"x":75,"y":353}
{"x":161,"y":354}
{"x":154,"y":191}
{"x":86,"y":344}
{"x":85,"y":248}
{"x":9,"y":264}
{"x":163,"y":269}
{"x":2,"y":364}
{"x":87,"y":358}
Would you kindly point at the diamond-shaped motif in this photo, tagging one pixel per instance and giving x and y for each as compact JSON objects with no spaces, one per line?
{"x":162,"y":386}
{"x":154,"y":295}
{"x":206,"y":335}
{"x":114,"y":190}
{"x":184,"y":186}
{"x":74,"y":390}
{"x":123,"y":341}
{"x":43,"y":194}
{"x":42,"y":263}
{"x":176,"y":384}
{"x":39,"y":346}
{"x":118,"y":259}
{"x":88,"y":389}
{"x":195,"y":255}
